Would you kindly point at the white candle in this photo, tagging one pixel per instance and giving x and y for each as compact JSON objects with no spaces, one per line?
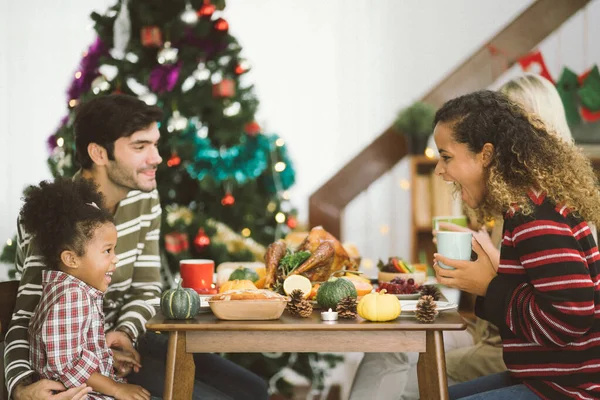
{"x":329,"y":315}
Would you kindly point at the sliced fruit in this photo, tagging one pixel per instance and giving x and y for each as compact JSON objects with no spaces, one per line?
{"x":362,"y":287}
{"x":300,"y":282}
{"x":354,"y":277}
{"x":314,"y":290}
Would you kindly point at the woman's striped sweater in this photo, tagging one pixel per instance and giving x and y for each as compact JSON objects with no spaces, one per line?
{"x":546,"y":301}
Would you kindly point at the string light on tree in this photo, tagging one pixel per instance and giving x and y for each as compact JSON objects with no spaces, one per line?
{"x":280,"y":166}
{"x":280,"y":142}
{"x":280,"y":217}
{"x":201,"y":241}
{"x":429,"y":153}
{"x":60,"y":142}
{"x":246,"y":232}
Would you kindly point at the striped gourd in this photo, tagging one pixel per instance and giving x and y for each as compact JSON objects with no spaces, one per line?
{"x":180,"y":303}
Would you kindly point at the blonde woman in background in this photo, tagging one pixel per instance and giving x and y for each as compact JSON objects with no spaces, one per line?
{"x":477,"y":351}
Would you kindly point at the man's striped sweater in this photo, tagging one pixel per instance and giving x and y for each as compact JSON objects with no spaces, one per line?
{"x":136,"y":280}
{"x":546,"y":301}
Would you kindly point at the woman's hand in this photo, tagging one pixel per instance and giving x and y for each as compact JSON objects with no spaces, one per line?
{"x":481,"y":236}
{"x":469,"y":276}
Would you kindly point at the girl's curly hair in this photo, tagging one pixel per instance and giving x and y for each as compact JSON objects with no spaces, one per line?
{"x":61,"y":216}
{"x":525,"y":156}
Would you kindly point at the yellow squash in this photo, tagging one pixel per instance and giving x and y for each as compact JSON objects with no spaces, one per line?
{"x":379,"y":307}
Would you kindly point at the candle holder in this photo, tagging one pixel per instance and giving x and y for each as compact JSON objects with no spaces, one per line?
{"x":329,"y":315}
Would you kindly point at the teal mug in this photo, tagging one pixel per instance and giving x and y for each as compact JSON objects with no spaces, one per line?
{"x":454,"y":245}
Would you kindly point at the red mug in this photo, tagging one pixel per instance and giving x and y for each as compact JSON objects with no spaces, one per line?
{"x":197,"y":275}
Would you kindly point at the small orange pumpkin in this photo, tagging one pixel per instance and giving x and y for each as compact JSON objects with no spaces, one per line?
{"x":237,"y":285}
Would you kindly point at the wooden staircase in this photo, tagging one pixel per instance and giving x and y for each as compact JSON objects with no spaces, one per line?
{"x":478,"y":71}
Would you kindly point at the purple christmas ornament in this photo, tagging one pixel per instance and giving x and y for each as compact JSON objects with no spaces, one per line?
{"x":164,"y":77}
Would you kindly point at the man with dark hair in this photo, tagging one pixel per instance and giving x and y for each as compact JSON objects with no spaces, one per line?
{"x":116,"y":139}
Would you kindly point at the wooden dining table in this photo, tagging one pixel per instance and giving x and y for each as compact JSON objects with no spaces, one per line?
{"x":206,"y":333}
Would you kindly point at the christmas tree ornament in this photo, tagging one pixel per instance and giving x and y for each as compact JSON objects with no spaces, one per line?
{"x":346,"y":308}
{"x":426,"y":310}
{"x":201,"y":74}
{"x":252,"y":128}
{"x":224,"y":61}
{"x":121,"y":32}
{"x":132,"y":57}
{"x":163,"y":78}
{"x":216,"y":77}
{"x":242,"y":67}
{"x":232,"y":110}
{"x":168,"y":54}
{"x":567,"y":87}
{"x":221,"y":25}
{"x":292,"y":222}
{"x":148,"y":98}
{"x":206,"y":10}
{"x":100,"y":84}
{"x":228,"y":200}
{"x":431,"y":290}
{"x":151,"y":36}
{"x":534,"y":63}
{"x":188,"y":84}
{"x":201,"y":241}
{"x":177,"y":122}
{"x":177,"y":214}
{"x":176,"y":242}
{"x":174,"y":160}
{"x":225,"y":88}
{"x":189,"y":16}
{"x":298,"y":306}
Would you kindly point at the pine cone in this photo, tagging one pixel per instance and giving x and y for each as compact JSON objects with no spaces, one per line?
{"x":431,"y":290}
{"x":426,"y":309}
{"x":346,"y":308}
{"x":298,"y":305}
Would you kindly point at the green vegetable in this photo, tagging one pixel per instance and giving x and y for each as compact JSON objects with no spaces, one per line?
{"x":243,"y":273}
{"x":334,"y":290}
{"x":291,"y":261}
{"x":180,"y":303}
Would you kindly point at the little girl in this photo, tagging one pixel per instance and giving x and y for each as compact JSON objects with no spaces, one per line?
{"x":77,"y":239}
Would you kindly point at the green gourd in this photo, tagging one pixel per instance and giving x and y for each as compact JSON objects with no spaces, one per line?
{"x":243,"y":273}
{"x":333,"y":291}
{"x":180,"y":303}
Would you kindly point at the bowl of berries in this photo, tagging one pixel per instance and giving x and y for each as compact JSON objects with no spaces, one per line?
{"x":404,"y":289}
{"x":398,"y":268}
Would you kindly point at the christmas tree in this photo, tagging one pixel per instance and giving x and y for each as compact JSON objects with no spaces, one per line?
{"x":223,"y":182}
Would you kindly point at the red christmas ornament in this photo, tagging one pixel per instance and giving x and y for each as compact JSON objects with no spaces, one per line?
{"x":239,"y":69}
{"x":535,"y":64}
{"x":292,"y":222}
{"x":225,"y":88}
{"x":206,"y":10}
{"x":151,"y":36}
{"x":252,"y":128}
{"x":176,"y":242}
{"x":228,"y":200}
{"x":201,"y":241}
{"x":174,"y":161}
{"x":221,"y":25}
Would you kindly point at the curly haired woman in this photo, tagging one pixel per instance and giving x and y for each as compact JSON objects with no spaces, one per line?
{"x":544,"y":297}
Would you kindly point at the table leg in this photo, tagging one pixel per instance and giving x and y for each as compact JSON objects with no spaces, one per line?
{"x":431,"y":369}
{"x":180,"y":364}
